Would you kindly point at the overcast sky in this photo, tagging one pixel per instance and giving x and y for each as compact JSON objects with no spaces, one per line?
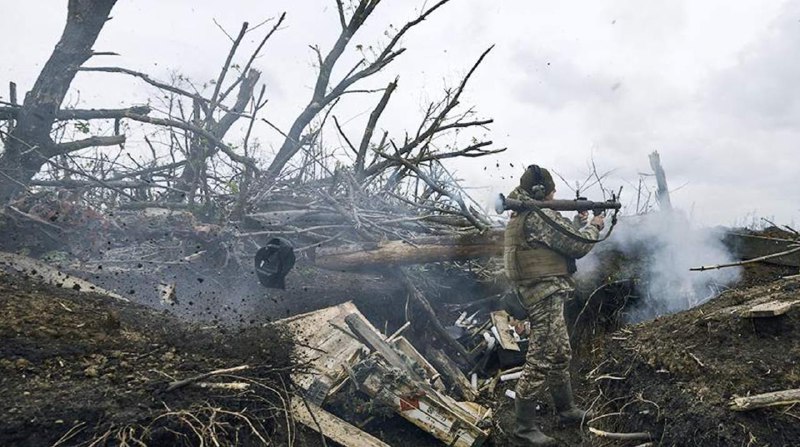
{"x":709,"y":84}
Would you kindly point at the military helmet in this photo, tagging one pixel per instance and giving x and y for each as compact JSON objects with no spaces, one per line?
{"x":537,"y":181}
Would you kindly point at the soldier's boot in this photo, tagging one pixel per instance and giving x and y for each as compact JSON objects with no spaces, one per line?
{"x":526,"y":431}
{"x":568,"y":412}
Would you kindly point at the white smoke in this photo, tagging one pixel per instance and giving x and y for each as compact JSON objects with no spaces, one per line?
{"x":662,"y":247}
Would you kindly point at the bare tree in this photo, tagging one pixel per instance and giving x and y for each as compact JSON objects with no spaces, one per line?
{"x":326,"y":93}
{"x":28,"y":145}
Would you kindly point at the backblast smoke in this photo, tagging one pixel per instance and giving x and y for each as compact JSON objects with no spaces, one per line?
{"x":658,"y":250}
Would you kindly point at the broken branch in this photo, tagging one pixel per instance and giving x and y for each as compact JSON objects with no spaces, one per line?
{"x":182,"y":383}
{"x":772,"y":399}
{"x":795,"y":249}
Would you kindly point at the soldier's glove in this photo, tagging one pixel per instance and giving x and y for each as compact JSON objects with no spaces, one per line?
{"x":581,"y":219}
{"x":598,"y":221}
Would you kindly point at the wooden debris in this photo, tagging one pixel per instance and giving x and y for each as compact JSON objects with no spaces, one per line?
{"x":167,"y":293}
{"x":419,"y":298}
{"x":182,"y":383}
{"x":399,"y":332}
{"x":770,"y":309}
{"x":747,"y":403}
{"x":454,"y":423}
{"x":332,"y":427}
{"x":451,"y":371}
{"x":325,"y":344}
{"x":374,"y":340}
{"x":641,"y":436}
{"x":432,"y":375}
{"x":500,"y":321}
{"x":396,"y":374}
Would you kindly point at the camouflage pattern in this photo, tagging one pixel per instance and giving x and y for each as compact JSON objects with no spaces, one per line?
{"x":549,"y":352}
{"x":537,"y":230}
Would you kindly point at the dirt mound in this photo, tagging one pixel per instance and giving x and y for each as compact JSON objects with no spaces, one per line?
{"x":674,"y":376}
{"x":77,"y":367}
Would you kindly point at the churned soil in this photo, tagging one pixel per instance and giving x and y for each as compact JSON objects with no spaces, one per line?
{"x":76,"y":368}
{"x":674,"y":376}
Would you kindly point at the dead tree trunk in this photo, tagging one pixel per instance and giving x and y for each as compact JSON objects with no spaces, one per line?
{"x":662,"y":195}
{"x":29,"y":144}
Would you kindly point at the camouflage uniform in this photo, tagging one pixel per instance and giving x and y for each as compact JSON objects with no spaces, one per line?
{"x":543,"y":298}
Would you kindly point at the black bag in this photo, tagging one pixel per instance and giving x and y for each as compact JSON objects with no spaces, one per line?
{"x":273,"y":261}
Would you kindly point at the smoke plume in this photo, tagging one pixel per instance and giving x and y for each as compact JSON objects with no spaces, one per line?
{"x":658,"y":249}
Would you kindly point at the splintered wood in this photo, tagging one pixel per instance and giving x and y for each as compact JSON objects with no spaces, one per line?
{"x":326,"y":344}
{"x":500,"y":320}
{"x":454,"y":423}
{"x":339,"y":343}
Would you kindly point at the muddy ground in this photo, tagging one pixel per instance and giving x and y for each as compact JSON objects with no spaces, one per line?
{"x":77,"y":368}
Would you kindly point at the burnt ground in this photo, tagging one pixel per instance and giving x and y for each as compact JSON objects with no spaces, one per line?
{"x":674,"y":376}
{"x":76,"y":368}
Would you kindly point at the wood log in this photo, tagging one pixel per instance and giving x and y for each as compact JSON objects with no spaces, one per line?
{"x":423,"y":250}
{"x":786,"y":397}
{"x":448,"y":368}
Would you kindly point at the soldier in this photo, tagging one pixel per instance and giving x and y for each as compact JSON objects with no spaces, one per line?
{"x":541,"y":247}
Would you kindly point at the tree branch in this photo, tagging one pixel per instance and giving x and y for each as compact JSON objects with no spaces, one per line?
{"x":370,"y":129}
{"x":72,"y":146}
{"x":200,"y":131}
{"x":253,"y":56}
{"x":221,"y":78}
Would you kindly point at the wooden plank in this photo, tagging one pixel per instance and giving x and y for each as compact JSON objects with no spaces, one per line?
{"x":770,"y":309}
{"x":431,"y":374}
{"x":746,"y":403}
{"x":500,"y":321}
{"x":325,"y":344}
{"x":332,"y":427}
{"x":40,"y":271}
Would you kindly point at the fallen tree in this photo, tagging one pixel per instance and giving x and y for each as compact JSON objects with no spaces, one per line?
{"x":420,"y":250}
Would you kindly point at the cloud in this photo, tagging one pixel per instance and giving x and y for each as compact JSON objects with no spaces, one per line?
{"x":762,"y":88}
{"x":553,"y":80}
